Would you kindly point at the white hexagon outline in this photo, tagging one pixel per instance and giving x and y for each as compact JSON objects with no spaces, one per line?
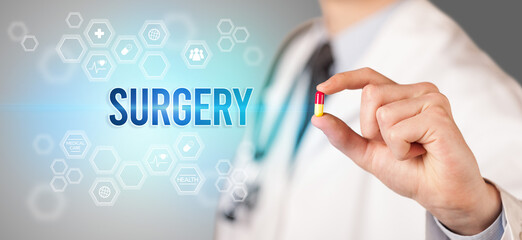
{"x":227,"y":20}
{"x":198,"y":139}
{"x":109,"y":58}
{"x":37,"y":212}
{"x":36,"y":43}
{"x":247,"y":34}
{"x":198,"y":187}
{"x":149,"y":152}
{"x":162,"y":25}
{"x":36,"y":144}
{"x":75,"y":132}
{"x":223,"y":190}
{"x":14,"y":25}
{"x":71,"y":37}
{"x":141,"y":182}
{"x":116,"y":190}
{"x":207,"y":58}
{"x":221,"y":47}
{"x":154,"y":53}
{"x":127,"y":37}
{"x":67,"y":19}
{"x":219,"y":162}
{"x":68,"y":177}
{"x":237,"y":171}
{"x":256,"y":62}
{"x":62,"y":178}
{"x":65,"y":166}
{"x":242,"y":187}
{"x":105,"y":148}
{"x":109,"y":27}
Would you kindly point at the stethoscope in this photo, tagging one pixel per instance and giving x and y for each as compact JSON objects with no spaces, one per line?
{"x":260,"y":150}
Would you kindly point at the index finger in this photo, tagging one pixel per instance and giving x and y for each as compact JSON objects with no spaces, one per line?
{"x":355,"y":79}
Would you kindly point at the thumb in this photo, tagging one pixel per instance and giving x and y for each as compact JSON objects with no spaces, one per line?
{"x":342,"y":137}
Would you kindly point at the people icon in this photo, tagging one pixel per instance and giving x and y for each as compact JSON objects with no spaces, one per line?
{"x":196,"y":54}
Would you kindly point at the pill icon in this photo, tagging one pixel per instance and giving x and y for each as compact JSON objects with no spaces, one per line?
{"x":126,"y":50}
{"x":319,"y":104}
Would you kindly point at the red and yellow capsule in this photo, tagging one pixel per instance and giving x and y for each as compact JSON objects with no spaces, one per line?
{"x":319,"y":103}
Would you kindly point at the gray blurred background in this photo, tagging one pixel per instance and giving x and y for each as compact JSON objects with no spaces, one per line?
{"x":494,"y":25}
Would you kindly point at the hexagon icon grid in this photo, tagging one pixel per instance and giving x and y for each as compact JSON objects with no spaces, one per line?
{"x":223,"y":167}
{"x":74,"y":176}
{"x":74,"y":20}
{"x":59,"y":166}
{"x":154,"y":65}
{"x":189,"y":146}
{"x":239,"y":193}
{"x":196,"y":54}
{"x":75,"y":144}
{"x":104,"y":192}
{"x":226,"y":43}
{"x":99,"y":32}
{"x":71,"y":48}
{"x":223,"y":184}
{"x":104,"y":160}
{"x":98,"y":66}
{"x":17,"y":31}
{"x":241,"y":34}
{"x":225,"y":26}
{"x":187,"y":179}
{"x":159,"y":160}
{"x":154,"y":33}
{"x":43,"y":144}
{"x":29,"y":43}
{"x":131,"y":176}
{"x":253,"y":56}
{"x":58,"y":183}
{"x":127,"y":49}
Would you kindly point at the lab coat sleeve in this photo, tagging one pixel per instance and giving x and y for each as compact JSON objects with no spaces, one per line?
{"x":510,"y":221}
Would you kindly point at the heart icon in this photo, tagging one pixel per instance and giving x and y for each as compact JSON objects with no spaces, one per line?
{"x":102,"y":62}
{"x":163,"y":156}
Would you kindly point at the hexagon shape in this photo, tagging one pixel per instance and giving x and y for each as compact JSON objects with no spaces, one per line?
{"x":187,"y":179}
{"x":241,"y":34}
{"x":154,"y":65}
{"x":29,"y":43}
{"x":223,"y":184}
{"x":189,"y":146}
{"x":239,"y":193}
{"x":74,"y":20}
{"x":99,"y":33}
{"x":239,"y":176}
{"x":59,"y":166}
{"x":74,"y":176}
{"x":58,"y":184}
{"x":43,"y":144}
{"x":159,"y":160}
{"x":131,"y":176}
{"x":98,"y":66}
{"x":104,"y":192}
{"x":17,"y":31}
{"x":71,"y":48}
{"x":223,"y":167}
{"x":154,"y":33}
{"x":253,"y":56}
{"x":196,"y":54}
{"x":127,"y":49}
{"x":104,"y":160}
{"x":226,"y":43}
{"x":225,"y":26}
{"x":75,"y":144}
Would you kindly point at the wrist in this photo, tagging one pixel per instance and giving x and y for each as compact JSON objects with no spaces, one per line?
{"x":474,"y":214}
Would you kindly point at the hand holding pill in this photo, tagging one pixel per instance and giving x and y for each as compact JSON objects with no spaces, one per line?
{"x":411,"y":143}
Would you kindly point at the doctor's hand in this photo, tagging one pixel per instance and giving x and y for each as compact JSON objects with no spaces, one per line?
{"x":411,"y":143}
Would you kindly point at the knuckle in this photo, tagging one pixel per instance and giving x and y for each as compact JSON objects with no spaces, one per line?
{"x":370,"y":92}
{"x":429,"y":87}
{"x":367,"y":71}
{"x":382,"y":114}
{"x":438,"y":99}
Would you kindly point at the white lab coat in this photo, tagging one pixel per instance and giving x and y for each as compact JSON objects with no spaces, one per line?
{"x":324,"y":195}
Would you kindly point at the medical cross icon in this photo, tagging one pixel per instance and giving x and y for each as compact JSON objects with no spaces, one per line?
{"x":99,"y":33}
